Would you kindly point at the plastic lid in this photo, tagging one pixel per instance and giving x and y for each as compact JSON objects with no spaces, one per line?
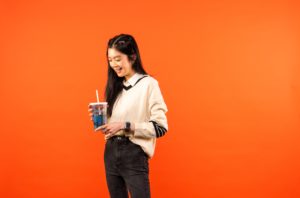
{"x":98,"y":103}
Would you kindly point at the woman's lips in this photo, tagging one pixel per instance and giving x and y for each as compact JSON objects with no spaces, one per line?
{"x":118,"y":70}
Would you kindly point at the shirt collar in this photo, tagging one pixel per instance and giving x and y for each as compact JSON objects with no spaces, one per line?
{"x":133,"y":79}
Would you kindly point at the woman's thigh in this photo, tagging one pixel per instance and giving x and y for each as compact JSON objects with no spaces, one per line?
{"x":135,"y":171}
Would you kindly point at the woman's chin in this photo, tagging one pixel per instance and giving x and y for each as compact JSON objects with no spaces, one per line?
{"x":120,"y":75}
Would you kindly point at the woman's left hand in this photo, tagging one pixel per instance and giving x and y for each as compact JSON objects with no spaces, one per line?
{"x":111,"y":128}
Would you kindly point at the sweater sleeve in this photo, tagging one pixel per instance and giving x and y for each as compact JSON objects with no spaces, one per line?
{"x":157,"y":125}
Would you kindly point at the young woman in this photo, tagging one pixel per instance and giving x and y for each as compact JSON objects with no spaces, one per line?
{"x":136,"y":118}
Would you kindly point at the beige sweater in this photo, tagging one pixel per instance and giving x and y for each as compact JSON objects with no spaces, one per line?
{"x":142,"y":104}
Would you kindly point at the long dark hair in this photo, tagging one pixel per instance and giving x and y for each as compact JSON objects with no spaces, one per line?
{"x":125,"y":44}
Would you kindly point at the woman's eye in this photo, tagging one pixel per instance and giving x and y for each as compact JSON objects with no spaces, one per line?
{"x":115,"y":60}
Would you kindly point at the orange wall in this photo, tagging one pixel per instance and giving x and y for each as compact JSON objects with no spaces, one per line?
{"x":229,"y":72}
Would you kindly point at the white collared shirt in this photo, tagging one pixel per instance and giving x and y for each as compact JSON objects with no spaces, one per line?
{"x":132,"y":80}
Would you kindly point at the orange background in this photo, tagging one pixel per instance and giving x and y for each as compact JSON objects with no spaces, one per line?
{"x":229,"y":72}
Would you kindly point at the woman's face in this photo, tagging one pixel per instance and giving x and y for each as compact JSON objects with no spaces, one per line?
{"x":120,"y":63}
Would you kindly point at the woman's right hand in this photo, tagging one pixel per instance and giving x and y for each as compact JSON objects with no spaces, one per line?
{"x":90,"y":110}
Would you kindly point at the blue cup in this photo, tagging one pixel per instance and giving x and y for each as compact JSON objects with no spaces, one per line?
{"x":99,"y":113}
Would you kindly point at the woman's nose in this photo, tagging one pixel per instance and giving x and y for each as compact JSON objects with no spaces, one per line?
{"x":113,"y":64}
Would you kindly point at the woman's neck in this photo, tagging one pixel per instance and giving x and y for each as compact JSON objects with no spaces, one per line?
{"x":129,"y":76}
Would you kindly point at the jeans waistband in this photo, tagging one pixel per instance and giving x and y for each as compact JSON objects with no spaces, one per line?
{"x":119,"y":138}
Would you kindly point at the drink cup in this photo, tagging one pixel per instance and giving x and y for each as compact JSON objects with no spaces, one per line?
{"x":99,"y":113}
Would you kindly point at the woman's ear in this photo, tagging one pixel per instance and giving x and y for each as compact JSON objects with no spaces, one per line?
{"x":133,"y":57}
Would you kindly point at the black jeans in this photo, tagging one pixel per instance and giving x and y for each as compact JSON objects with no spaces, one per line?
{"x":127,"y":168}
